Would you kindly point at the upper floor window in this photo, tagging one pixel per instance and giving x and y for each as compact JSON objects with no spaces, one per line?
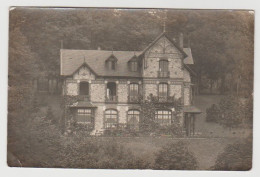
{"x":163,"y":65}
{"x":133,"y":92}
{"x":133,"y":66}
{"x":111,"y":62}
{"x":84,"y":88}
{"x":163,"y":91}
{"x":133,"y":89}
{"x":111,"y":65}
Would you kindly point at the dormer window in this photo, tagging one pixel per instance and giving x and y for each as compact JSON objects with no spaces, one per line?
{"x":133,"y":65}
{"x":111,"y":65}
{"x":111,"y":62}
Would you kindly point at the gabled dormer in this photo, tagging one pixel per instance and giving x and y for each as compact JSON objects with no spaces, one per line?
{"x":133,"y":64}
{"x":111,"y":62}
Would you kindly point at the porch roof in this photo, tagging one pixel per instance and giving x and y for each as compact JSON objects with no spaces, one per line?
{"x":82,"y":104}
{"x":191,"y":109}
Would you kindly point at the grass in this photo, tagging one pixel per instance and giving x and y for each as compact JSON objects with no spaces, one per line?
{"x":206,"y":147}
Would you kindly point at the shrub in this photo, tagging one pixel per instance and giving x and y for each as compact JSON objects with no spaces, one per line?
{"x":175,"y":156}
{"x":237,"y":156}
{"x":213,"y":113}
{"x":231,"y":112}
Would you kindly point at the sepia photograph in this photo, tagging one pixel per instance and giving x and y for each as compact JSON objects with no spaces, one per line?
{"x":130,"y":88}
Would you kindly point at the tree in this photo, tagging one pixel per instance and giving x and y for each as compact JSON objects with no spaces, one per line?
{"x":175,"y":156}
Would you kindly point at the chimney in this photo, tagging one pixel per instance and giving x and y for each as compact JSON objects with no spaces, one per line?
{"x":181,"y":40}
{"x":99,"y":48}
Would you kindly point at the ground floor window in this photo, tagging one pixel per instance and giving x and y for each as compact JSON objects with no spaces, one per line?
{"x":163,"y":117}
{"x":133,"y":117}
{"x":84,"y":116}
{"x":111,"y":119}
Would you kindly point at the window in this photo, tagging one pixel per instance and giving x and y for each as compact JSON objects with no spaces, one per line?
{"x":163,"y":65}
{"x":84,"y":116}
{"x":163,"y":117}
{"x":84,"y":88}
{"x":111,"y":92}
{"x":133,"y":119}
{"x":133,"y":89}
{"x":133,"y":65}
{"x":110,"y":119}
{"x":163,"y":91}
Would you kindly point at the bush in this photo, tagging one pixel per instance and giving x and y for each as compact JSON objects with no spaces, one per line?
{"x":237,"y":156}
{"x":231,"y":112}
{"x":213,"y":113}
{"x":175,"y":156}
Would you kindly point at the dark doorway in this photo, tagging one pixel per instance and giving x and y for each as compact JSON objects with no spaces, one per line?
{"x":84,"y":88}
{"x":111,"y":91}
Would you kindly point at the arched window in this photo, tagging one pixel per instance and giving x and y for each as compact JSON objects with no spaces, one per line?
{"x":163,"y":117}
{"x":111,"y":119}
{"x":133,"y":117}
{"x":163,"y":91}
{"x":84,"y":88}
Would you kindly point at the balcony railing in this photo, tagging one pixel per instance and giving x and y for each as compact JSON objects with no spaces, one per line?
{"x":134,"y":99}
{"x":163,"y":74}
{"x":111,"y":99}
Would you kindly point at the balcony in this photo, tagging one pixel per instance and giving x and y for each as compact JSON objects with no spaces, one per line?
{"x":134,"y":99}
{"x":111,"y":99}
{"x":163,"y":74}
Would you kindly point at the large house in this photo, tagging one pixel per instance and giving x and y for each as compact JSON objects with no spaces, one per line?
{"x":111,"y":83}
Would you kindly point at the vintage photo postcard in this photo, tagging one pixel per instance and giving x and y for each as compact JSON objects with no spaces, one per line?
{"x":107,"y":88}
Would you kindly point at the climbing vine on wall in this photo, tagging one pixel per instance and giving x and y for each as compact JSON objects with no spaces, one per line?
{"x":148,"y":109}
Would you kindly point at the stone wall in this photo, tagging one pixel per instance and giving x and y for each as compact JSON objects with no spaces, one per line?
{"x":186,"y":75}
{"x":187,"y":96}
{"x":176,"y":90}
{"x":97,"y":92}
{"x":122,"y":92}
{"x":150,"y":89}
{"x":71,"y":88}
{"x":163,"y":49}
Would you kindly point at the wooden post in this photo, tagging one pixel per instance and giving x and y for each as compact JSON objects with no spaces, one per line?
{"x":193,"y":124}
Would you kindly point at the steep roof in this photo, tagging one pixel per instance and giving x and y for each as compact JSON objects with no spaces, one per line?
{"x":159,"y":37}
{"x":71,"y":60}
{"x":189,"y":59}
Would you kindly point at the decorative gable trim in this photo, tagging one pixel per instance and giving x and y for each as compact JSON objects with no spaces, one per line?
{"x":159,"y":37}
{"x":84,"y":64}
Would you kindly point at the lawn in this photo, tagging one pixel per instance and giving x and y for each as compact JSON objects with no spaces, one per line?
{"x":210,"y":142}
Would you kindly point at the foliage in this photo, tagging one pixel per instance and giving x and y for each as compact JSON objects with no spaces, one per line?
{"x":175,"y":156}
{"x":237,"y":156}
{"x":232,"y":111}
{"x":221,"y":41}
{"x":213,"y":113}
{"x":148,"y":108}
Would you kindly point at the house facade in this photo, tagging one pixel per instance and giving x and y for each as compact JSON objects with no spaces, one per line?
{"x":111,"y":83}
